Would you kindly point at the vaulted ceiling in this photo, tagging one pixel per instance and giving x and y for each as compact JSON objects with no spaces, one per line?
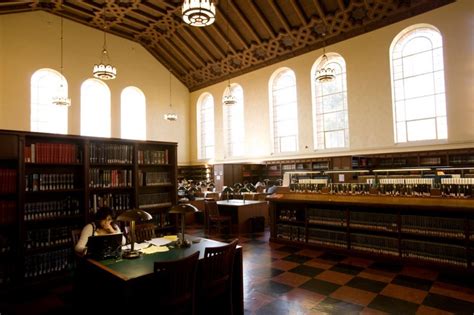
{"x":247,"y":34}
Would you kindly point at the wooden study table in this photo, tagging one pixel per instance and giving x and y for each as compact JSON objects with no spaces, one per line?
{"x":241,"y":211}
{"x":122,"y":280}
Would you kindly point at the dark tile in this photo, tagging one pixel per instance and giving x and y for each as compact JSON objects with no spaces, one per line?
{"x":320,"y":286}
{"x":387,"y":266}
{"x":366,"y":284}
{"x":412,"y":282}
{"x":345,"y":268}
{"x":288,"y":249}
{"x":456,"y":279}
{"x":334,"y":306}
{"x":332,"y":256}
{"x":278,"y":307}
{"x":307,"y":270}
{"x":264,"y":272}
{"x":258,"y":258}
{"x":273,"y":288}
{"x":449,"y":304}
{"x":393,"y":305}
{"x":300,"y":259}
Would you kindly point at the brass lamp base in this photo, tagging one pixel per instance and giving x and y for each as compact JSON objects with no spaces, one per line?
{"x":183,"y":243}
{"x":131,"y":254}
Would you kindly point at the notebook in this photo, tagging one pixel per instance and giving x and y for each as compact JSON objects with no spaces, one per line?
{"x":101,"y":247}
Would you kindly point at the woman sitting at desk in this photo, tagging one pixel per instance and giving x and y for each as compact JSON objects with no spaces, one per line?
{"x":101,"y":225}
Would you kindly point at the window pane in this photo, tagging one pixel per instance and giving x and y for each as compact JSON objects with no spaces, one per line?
{"x":401,"y":132}
{"x":419,"y":86}
{"x":442,"y":125}
{"x":418,"y":64}
{"x":423,"y":107}
{"x":206,"y":124}
{"x":95,"y":109}
{"x":288,"y":144}
{"x":133,"y":114}
{"x":334,"y":121}
{"x":421,"y":129}
{"x":335,"y":139}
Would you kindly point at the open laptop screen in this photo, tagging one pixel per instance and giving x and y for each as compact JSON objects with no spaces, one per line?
{"x":104,"y":246}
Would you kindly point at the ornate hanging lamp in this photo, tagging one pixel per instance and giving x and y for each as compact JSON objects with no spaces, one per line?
{"x":104,"y":70}
{"x":198,"y":13}
{"x":61,"y":98}
{"x":171,"y":115}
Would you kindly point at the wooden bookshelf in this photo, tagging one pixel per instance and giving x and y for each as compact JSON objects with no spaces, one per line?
{"x":51,"y":184}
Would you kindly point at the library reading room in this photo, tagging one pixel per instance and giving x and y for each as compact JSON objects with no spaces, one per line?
{"x":237,"y":157}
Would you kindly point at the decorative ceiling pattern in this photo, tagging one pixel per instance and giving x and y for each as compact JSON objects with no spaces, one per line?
{"x":247,"y":34}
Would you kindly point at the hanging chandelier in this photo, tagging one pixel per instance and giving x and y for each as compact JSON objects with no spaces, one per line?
{"x":229,"y":98}
{"x":171,"y":115}
{"x":325,"y":73}
{"x":61,"y":99}
{"x":104,"y":70}
{"x":199,"y":12}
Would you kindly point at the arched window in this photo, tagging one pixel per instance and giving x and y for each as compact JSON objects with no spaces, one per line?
{"x":46,"y":117}
{"x":234,"y":123}
{"x":283,"y":111}
{"x":133,"y":113}
{"x":418,"y":92}
{"x":205,"y":124}
{"x":95,"y":108}
{"x":330,"y":122}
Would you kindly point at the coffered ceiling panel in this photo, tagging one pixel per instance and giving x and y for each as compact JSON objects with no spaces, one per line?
{"x":247,"y":34}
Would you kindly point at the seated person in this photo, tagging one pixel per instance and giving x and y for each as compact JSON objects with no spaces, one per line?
{"x":101,"y":225}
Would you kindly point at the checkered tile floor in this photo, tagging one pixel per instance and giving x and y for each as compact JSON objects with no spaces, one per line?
{"x":281,"y":279}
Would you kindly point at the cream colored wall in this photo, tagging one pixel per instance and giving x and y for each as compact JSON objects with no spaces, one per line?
{"x":369,"y":92}
{"x":30,"y":41}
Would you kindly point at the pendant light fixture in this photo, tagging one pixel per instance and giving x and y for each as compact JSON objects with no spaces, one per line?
{"x":198,"y":12}
{"x":229,"y":98}
{"x":104,"y":70}
{"x":171,"y":115}
{"x":61,"y":99}
{"x":325,"y":73}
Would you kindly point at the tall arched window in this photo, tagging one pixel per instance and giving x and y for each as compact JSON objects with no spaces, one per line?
{"x":133,"y":113}
{"x":205,"y":124}
{"x":418,"y":93}
{"x":283,"y":110}
{"x":95,"y":109}
{"x":330,"y":122}
{"x":46,"y":117}
{"x":234,"y":123}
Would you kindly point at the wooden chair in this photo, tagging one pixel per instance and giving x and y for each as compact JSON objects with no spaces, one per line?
{"x":145,"y":232}
{"x":213,"y":217}
{"x":175,"y":281}
{"x":216,"y":289}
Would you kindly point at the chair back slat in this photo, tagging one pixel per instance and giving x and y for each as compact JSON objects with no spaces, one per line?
{"x":144,"y":232}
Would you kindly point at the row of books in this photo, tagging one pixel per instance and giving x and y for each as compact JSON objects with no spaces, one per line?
{"x":153,"y":200}
{"x":46,"y":210}
{"x":327,"y":237}
{"x":290,"y":215}
{"x":6,"y":273}
{"x":49,"y":182}
{"x":40,"y":238}
{"x":331,"y":217}
{"x":7,"y":211}
{"x":100,"y":178}
{"x":291,"y":233}
{"x":153,"y":178}
{"x":434,"y":226}
{"x":7,"y":180}
{"x":53,"y":153}
{"x":5,"y":243}
{"x":153,"y":157}
{"x":48,"y":263}
{"x":109,"y":153}
{"x":374,"y":221}
{"x":161,"y":219}
{"x":117,"y":202}
{"x":375,"y":244}
{"x":436,"y":252}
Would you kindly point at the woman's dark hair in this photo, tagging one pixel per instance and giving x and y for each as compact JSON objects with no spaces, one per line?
{"x":102,"y":214}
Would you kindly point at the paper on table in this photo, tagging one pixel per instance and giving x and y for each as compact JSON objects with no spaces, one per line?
{"x":172,"y":238}
{"x":159,"y":241}
{"x":154,"y":249}
{"x":137,"y":246}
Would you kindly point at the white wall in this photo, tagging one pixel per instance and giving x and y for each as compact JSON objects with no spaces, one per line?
{"x":30,"y":41}
{"x":369,"y":91}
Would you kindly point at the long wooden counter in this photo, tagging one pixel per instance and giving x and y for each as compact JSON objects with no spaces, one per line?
{"x":429,"y":230}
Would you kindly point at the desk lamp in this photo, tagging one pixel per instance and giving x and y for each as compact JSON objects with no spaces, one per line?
{"x":132,"y":216}
{"x":226,"y":191}
{"x":182,"y":209}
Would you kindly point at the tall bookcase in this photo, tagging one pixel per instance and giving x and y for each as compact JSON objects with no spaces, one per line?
{"x":51,"y":184}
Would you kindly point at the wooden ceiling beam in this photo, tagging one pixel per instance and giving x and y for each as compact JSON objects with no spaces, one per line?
{"x":264,"y":21}
{"x":321,"y":12}
{"x":195,"y":40}
{"x":280,"y":16}
{"x":189,"y":51}
{"x":232,"y":28}
{"x":247,"y":23}
{"x":299,"y":12}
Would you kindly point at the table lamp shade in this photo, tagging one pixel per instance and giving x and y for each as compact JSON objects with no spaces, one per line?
{"x":137,"y":215}
{"x":183,"y":208}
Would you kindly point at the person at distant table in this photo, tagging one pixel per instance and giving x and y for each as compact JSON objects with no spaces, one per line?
{"x":102,"y":225}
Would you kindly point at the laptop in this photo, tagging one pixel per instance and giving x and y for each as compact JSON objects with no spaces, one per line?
{"x":101,"y":247}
